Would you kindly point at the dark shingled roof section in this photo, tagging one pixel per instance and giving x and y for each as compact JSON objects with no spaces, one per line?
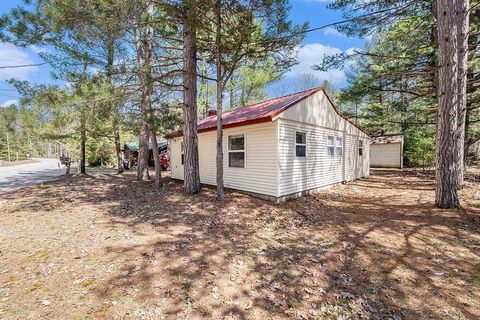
{"x":256,"y":113}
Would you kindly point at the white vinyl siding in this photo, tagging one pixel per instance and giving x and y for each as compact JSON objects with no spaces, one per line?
{"x":272,"y":165}
{"x":317,"y":170}
{"x":351,"y":158}
{"x":362,"y":168}
{"x":320,"y":169}
{"x":259,"y":174}
{"x":176,"y":163}
{"x":387,"y":155}
{"x":324,"y":166}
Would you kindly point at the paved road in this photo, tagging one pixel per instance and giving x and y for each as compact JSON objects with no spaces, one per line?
{"x":29,"y":174}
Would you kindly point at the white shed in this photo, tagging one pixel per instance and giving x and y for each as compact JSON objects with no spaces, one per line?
{"x":386,"y":151}
{"x":281,"y":148}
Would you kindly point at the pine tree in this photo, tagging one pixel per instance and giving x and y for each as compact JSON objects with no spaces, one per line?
{"x":239,"y":37}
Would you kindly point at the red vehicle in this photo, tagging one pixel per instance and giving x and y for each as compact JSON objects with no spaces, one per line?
{"x":164,"y":161}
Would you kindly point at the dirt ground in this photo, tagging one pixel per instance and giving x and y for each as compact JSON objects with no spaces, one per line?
{"x":108,"y":247}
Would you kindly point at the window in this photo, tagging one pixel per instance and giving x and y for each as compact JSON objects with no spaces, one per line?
{"x":360,"y":147}
{"x":183,"y":153}
{"x":339,"y":146}
{"x":334,"y":146}
{"x":331,"y":145}
{"x":236,"y":151}
{"x":301,"y":144}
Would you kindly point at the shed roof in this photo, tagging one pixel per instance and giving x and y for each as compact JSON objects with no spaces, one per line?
{"x":256,"y":113}
{"x":133,"y":146}
{"x":387,"y":138}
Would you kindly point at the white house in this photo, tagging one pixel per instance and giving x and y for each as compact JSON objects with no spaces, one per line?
{"x":386,"y":151}
{"x":281,"y":148}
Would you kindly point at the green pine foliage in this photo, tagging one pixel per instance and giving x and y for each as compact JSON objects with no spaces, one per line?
{"x":392,"y":82}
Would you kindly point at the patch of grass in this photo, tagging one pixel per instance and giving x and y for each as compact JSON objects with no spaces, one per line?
{"x":41,"y":185}
{"x":372,"y":290}
{"x":476,"y":281}
{"x":205,"y":313}
{"x":86,"y":283}
{"x":438,"y":243}
{"x":12,"y":280}
{"x":100,"y":311}
{"x":35,"y":287}
{"x":186,"y":285}
{"x":389,"y":264}
{"x":119,"y":298}
{"x":40,"y":255}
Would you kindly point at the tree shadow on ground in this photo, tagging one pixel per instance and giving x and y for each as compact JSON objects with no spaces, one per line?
{"x":375,"y":248}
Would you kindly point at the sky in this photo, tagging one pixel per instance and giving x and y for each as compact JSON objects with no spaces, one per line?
{"x":315,"y":45}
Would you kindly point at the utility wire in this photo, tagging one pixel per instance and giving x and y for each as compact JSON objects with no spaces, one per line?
{"x":279,"y":38}
{"x":26,"y":65}
{"x":335,"y":23}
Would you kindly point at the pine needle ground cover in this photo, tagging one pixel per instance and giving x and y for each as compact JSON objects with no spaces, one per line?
{"x":108,"y":247}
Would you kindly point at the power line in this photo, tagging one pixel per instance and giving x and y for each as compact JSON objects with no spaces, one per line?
{"x":279,"y":38}
{"x":25,"y":65}
{"x":336,"y":23}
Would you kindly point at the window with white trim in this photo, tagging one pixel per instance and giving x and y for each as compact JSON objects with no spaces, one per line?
{"x":182,"y":153}
{"x":331,"y":145}
{"x":360,"y":147}
{"x":338,"y":146}
{"x":236,"y":151}
{"x":300,"y":144}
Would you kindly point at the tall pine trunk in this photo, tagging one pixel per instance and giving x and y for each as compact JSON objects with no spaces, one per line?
{"x":83,"y":127}
{"x":148,"y":83}
{"x":232,"y":94}
{"x":473,"y":46}
{"x":204,"y":86}
{"x":115,"y":113}
{"x":156,"y":155}
{"x":143,"y":137}
{"x":447,"y":117}
{"x":190,"y":137}
{"x":462,"y":20}
{"x":218,"y":63}
{"x":116,"y":138}
{"x":83,"y":138}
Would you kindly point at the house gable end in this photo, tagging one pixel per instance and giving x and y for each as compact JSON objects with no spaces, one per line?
{"x":318,"y":109}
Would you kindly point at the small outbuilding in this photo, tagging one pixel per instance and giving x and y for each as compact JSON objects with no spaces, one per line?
{"x":280,"y":148}
{"x":386,"y":151}
{"x":130,"y":153}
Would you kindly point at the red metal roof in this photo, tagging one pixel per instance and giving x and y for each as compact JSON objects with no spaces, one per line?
{"x":259,"y":112}
{"x":256,"y":113}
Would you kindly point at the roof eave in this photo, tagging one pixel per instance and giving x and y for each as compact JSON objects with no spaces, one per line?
{"x":177,"y":134}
